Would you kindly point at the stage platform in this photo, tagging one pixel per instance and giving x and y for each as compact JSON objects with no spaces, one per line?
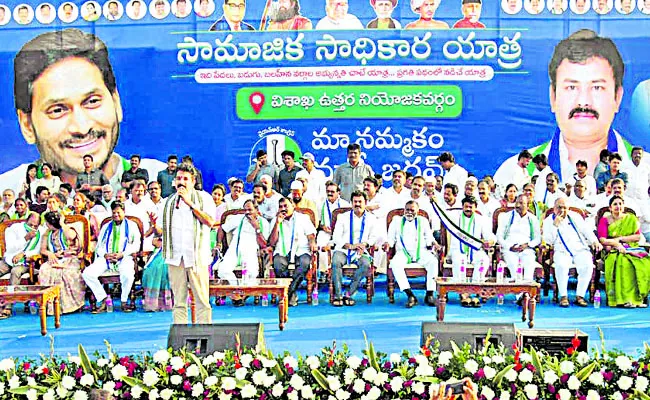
{"x":391,"y":327}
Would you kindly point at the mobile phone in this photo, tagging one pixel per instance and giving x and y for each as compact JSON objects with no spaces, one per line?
{"x":456,"y":387}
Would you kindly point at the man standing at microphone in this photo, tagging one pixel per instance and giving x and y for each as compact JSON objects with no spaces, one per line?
{"x":186,"y":245}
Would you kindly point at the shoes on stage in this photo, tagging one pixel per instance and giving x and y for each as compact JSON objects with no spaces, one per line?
{"x":412,"y":301}
{"x":580,"y":302}
{"x":238,"y":303}
{"x":125,"y":307}
{"x":476,"y":303}
{"x":564,"y":302}
{"x":293,"y":300}
{"x":349,"y":301}
{"x":100,"y":309}
{"x":430,"y":300}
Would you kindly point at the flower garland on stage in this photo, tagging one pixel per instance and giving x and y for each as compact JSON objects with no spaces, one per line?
{"x":499,"y":373}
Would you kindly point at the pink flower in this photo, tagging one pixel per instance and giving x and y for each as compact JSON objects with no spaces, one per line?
{"x":26,"y":366}
{"x":187,"y":386}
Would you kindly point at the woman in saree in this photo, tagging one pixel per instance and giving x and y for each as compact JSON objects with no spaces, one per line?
{"x":60,"y":247}
{"x":627,"y":266}
{"x":80,"y":207}
{"x":155,"y":278}
{"x":510,"y":197}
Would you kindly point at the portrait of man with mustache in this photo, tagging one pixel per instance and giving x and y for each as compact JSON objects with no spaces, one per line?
{"x":68,"y":105}
{"x":586,"y":89}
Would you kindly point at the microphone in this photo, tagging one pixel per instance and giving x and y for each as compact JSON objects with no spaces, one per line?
{"x":178,"y":202}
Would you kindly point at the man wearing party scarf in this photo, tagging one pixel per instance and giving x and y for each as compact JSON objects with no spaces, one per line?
{"x":586,"y":89}
{"x":464,"y":253}
{"x":411,"y":235}
{"x":187,"y":221}
{"x":118,"y":240}
{"x":22,"y":240}
{"x":571,"y":239}
{"x":331,"y":203}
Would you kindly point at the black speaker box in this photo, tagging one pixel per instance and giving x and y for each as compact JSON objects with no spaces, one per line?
{"x":553,"y":341}
{"x":208,"y":338}
{"x":472,"y":333}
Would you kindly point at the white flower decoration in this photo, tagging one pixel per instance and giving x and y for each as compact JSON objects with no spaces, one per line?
{"x":573,"y":383}
{"x":471,"y":366}
{"x":418,"y":387}
{"x":258,"y":377}
{"x":266,"y":363}
{"x":32,"y":394}
{"x":625,"y":382}
{"x":109,"y":386}
{"x":161,"y":356}
{"x":349,"y":375}
{"x":192,"y":370}
{"x":487,"y":393}
{"x":62,"y":392}
{"x":297,"y":382}
{"x":550,"y":377}
{"x":14,"y":382}
{"x":531,"y":391}
{"x":596,"y":378}
{"x":136,"y":392}
{"x":150,"y":377}
{"x":87,"y":380}
{"x":119,"y":371}
{"x":424,"y":370}
{"x":7,"y":364}
{"x":176,"y":379}
{"x":359,"y":386}
{"x":567,"y":367}
{"x":333,"y":382}
{"x":49,"y":395}
{"x":2,"y":388}
{"x":153,"y":394}
{"x":395,"y":358}
{"x":246,"y":360}
{"x":166,"y":394}
{"x":582,"y":358}
{"x":396,"y":384}
{"x":593,"y":395}
{"x":74,"y":359}
{"x":504,"y":394}
{"x":277,"y":390}
{"x":525,"y":376}
{"x":381,"y":378}
{"x":489,"y":372}
{"x":617,"y":396}
{"x":292,"y":362}
{"x":525,"y":358}
{"x":564,"y":394}
{"x":486,"y":360}
{"x":511,"y":375}
{"x":421,"y":359}
{"x":211,"y":381}
{"x":374,"y":393}
{"x":641,"y":384}
{"x":342,"y":394}
{"x":102,"y":362}
{"x":268,"y":380}
{"x":228,"y":383}
{"x":197,"y":390}
{"x":68,"y":382}
{"x":80,"y":395}
{"x":176,"y":363}
{"x":307,"y":393}
{"x":354,"y":362}
{"x":240,"y":374}
{"x":313,"y":362}
{"x":208,"y":360}
{"x":445,"y":357}
{"x":219,"y":355}
{"x":499,"y":360}
{"x":624,"y":363}
{"x":369,"y":374}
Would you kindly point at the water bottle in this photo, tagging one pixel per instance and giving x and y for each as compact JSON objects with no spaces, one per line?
{"x":481,"y":271}
{"x":463,"y":273}
{"x":597,"y":299}
{"x":222,"y":301}
{"x":265,"y":300}
{"x":500,"y":271}
{"x":500,"y":299}
{"x":109,"y":304}
{"x":314,"y":297}
{"x":244,"y":273}
{"x":33,"y":307}
{"x":520,"y":272}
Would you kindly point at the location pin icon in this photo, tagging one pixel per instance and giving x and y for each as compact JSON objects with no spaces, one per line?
{"x":256,"y":100}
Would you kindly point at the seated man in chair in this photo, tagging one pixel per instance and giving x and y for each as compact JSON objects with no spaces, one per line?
{"x":411,"y":235}
{"x":355,"y":233}
{"x":570,"y":237}
{"x":294,"y":239}
{"x":518,"y":234}
{"x":118,"y":240}
{"x":462,"y":255}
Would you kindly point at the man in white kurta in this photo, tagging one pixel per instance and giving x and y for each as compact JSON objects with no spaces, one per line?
{"x":140,"y":206}
{"x":638,"y":176}
{"x":411,"y":235}
{"x":461,"y":254}
{"x":454,"y":173}
{"x":355,"y":233}
{"x":324,"y":237}
{"x":118,"y":240}
{"x":571,"y":239}
{"x":294,"y":237}
{"x":249,"y":231}
{"x":486,"y":204}
{"x":187,"y":221}
{"x":551,"y":192}
{"x":518,"y":233}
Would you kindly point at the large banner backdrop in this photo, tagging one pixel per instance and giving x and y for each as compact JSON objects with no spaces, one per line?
{"x":192,"y":85}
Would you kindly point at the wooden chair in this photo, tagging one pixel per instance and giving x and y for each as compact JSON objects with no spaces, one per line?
{"x":312,"y":274}
{"x":349,"y":269}
{"x":26,"y":278}
{"x":113,"y":277}
{"x":413,"y":270}
{"x":546,"y":259}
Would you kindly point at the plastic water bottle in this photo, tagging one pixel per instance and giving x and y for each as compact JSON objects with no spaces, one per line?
{"x":500,"y":271}
{"x":244,"y":273}
{"x":222,"y":301}
{"x":314,"y":297}
{"x":481,"y":271}
{"x":109,"y":304}
{"x":33,"y":307}
{"x":463,"y":273}
{"x":597,"y":299}
{"x":500,"y":299}
{"x":520,"y":272}
{"x":265,"y":300}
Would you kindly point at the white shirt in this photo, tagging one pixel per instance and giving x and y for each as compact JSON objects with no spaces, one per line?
{"x":126,"y":245}
{"x":380,"y":201}
{"x":51,"y":184}
{"x":236,"y":204}
{"x":577,"y":236}
{"x":456,"y":175}
{"x":341,"y":234}
{"x":488,"y":209}
{"x":425,"y":205}
{"x":183,"y":235}
{"x":540,"y":184}
{"x":140,"y":211}
{"x":513,"y":229}
{"x":480,"y":228}
{"x":638,"y":180}
{"x":393,"y":200}
{"x":15,"y":242}
{"x":246,"y":236}
{"x":298,"y":227}
{"x":407,"y":237}
{"x":548,"y":198}
{"x":508,"y":174}
{"x":316,"y":187}
{"x":588,"y":180}
{"x":327,"y":208}
{"x":587,"y":203}
{"x":348,"y":22}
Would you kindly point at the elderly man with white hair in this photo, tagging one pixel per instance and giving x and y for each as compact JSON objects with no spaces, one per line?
{"x":338,"y":17}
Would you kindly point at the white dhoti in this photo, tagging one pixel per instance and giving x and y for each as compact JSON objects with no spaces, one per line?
{"x":230,"y":261}
{"x":528,"y":261}
{"x":322,"y":239}
{"x":427,"y":260}
{"x":582,"y":261}
{"x":478,"y":261}
{"x":126,"y":268}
